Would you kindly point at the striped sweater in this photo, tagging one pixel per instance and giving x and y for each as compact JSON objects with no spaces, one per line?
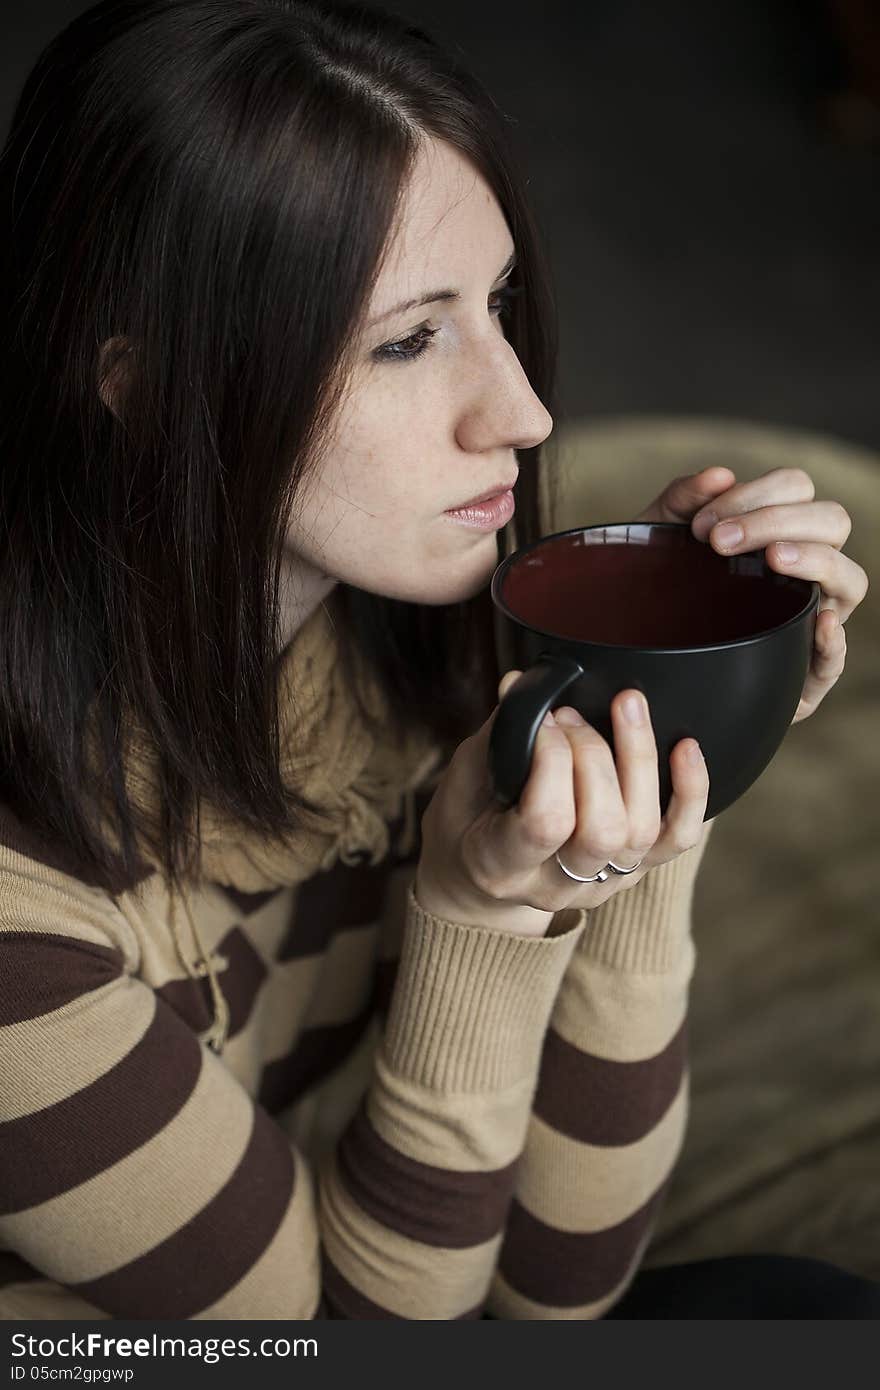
{"x":303,"y":1096}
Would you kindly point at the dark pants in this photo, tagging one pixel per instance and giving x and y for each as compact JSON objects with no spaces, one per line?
{"x":749,"y":1286}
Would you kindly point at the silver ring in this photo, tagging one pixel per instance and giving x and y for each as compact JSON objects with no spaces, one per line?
{"x":600,"y":877}
{"x":616,"y":869}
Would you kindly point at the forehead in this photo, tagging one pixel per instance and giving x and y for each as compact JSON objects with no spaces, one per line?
{"x":449,"y":220}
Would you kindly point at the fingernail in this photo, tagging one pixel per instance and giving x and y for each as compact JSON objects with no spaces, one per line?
{"x":566,"y":715}
{"x":787,"y":554}
{"x":634,"y":709}
{"x":693,"y":753}
{"x":729,"y":534}
{"x":548,"y":719}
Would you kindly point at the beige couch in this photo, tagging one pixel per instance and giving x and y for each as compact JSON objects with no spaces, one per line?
{"x":783,"y":1146}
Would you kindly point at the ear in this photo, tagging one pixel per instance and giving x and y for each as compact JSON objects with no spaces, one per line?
{"x":114,"y":372}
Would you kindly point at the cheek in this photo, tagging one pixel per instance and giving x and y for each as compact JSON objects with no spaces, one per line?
{"x":383,"y":483}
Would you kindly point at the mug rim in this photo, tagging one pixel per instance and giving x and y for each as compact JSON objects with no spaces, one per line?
{"x":813,"y":595}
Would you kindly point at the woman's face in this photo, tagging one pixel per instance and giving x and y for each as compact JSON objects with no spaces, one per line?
{"x":436,"y":406}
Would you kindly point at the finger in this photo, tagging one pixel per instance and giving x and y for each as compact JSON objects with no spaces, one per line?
{"x":544,"y":816}
{"x":780,"y":485}
{"x":635,"y":754}
{"x":826,"y":522}
{"x":690,"y":493}
{"x":683,"y":823}
{"x":467,"y":775}
{"x":827,"y":664}
{"x":601,"y":826}
{"x":844,"y":583}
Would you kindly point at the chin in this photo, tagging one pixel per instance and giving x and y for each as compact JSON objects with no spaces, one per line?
{"x":459,"y":588}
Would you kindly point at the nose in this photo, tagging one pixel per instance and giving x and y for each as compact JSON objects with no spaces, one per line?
{"x":501,"y":411}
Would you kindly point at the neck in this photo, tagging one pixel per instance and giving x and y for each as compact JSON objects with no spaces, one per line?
{"x":303,"y":587}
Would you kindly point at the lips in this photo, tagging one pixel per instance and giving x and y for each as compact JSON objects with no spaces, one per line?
{"x":484,"y":496}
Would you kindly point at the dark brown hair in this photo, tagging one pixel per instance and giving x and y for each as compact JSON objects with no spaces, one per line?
{"x":194,"y":199}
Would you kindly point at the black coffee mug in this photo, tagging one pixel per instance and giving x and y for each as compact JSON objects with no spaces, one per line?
{"x":719,"y":645}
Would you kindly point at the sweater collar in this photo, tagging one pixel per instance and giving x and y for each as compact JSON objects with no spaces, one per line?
{"x":358,"y":782}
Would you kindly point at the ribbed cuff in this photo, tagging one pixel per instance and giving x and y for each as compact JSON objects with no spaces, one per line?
{"x":645,"y":929}
{"x":471,"y":1005}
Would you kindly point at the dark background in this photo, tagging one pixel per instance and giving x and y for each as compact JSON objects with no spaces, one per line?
{"x":708,"y":179}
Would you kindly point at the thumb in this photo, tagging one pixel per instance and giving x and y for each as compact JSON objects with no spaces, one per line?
{"x":684,"y":497}
{"x":507,"y":680}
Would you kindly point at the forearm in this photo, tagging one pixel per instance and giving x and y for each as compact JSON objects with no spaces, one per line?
{"x":414,"y":1201}
{"x":609,"y":1113}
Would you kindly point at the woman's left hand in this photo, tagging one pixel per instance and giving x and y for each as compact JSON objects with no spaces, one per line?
{"x":800,"y":536}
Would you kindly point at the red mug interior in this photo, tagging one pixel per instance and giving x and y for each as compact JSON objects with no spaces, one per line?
{"x":646,"y":585}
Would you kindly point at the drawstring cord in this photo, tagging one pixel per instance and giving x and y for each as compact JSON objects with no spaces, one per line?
{"x":216,"y":1035}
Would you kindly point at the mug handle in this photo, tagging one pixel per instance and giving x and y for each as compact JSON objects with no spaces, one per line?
{"x":519,"y":717}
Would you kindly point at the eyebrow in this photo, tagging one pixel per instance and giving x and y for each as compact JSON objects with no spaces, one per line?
{"x":435,"y":296}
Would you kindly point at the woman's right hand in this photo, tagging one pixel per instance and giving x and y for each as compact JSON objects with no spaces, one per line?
{"x":484,"y":865}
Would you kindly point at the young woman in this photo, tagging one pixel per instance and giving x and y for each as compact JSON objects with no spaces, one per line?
{"x":271,"y":1044}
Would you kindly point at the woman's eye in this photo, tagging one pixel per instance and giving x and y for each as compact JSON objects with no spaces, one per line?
{"x":405,"y":349}
{"x":504,"y":298}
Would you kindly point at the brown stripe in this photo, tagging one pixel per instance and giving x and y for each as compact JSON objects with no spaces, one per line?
{"x":563,"y":1268}
{"x":385,"y":977}
{"x":240,"y":982}
{"x":211,"y":1252}
{"x":191,"y":1000}
{"x":318,"y":1051}
{"x":55,"y":1149}
{"x":52,"y":851}
{"x":436,"y":1206}
{"x":606,"y":1103}
{"x":340,"y":1299}
{"x":42,"y":972}
{"x":348,"y":895}
{"x":14,"y":1270}
{"x":246,"y":903}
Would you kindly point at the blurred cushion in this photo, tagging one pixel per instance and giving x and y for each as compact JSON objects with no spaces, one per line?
{"x":783,"y":1146}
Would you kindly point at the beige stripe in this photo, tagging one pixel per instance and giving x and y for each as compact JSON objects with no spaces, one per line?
{"x":286,"y":1280}
{"x":346,"y":978}
{"x":505,"y":1302}
{"x":284,"y":999}
{"x":37,"y":899}
{"x":98,"y":1226}
{"x":243,"y":1054}
{"x":268,"y":925}
{"x":43,"y":1300}
{"x":619,"y":1016}
{"x":313,"y":991}
{"x":409,"y":1279}
{"x":480,"y":1132}
{"x":73,"y":1046}
{"x":577,"y":1187}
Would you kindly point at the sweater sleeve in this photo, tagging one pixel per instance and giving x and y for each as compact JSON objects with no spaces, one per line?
{"x":137,"y":1173}
{"x":610,"y":1107}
